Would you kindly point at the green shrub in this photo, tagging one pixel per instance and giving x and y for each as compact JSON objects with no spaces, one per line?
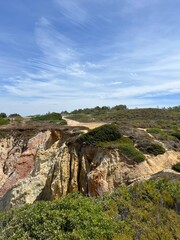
{"x":71,"y":217}
{"x":4,"y":121}
{"x":48,"y":117}
{"x":62,"y":122}
{"x":176,"y":167}
{"x":105,"y":133}
{"x":115,"y":143}
{"x":14,"y":115}
{"x":143,"y":211}
{"x":150,"y":147}
{"x":131,"y":152}
{"x":155,"y":149}
{"x":155,"y":131}
{"x":81,"y":117}
{"x":3,"y":115}
{"x":176,"y":134}
{"x":126,"y":147}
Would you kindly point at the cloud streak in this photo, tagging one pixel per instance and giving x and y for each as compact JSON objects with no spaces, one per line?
{"x":73,"y":11}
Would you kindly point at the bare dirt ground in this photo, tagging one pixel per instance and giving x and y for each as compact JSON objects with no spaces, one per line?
{"x":90,"y":125}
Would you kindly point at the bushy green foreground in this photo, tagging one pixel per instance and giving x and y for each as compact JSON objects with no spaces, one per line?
{"x":143,"y":211}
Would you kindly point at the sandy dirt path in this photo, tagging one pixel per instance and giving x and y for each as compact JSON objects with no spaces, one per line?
{"x":90,"y":125}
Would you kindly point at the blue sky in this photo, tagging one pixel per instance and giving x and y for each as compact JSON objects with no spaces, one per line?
{"x":65,"y":54}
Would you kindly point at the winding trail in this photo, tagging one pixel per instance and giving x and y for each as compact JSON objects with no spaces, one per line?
{"x":90,"y":125}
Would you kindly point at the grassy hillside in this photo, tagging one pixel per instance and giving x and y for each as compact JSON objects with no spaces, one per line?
{"x":143,"y":211}
{"x":136,"y":117}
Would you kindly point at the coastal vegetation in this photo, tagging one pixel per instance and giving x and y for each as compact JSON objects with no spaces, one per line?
{"x":49,"y":117}
{"x":105,"y":133}
{"x":176,"y":167}
{"x":4,"y":121}
{"x":147,"y":117}
{"x":160,"y":124}
{"x":146,"y":210}
{"x":109,"y":136}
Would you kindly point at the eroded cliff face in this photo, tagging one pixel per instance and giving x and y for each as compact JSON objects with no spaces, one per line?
{"x":50,"y":165}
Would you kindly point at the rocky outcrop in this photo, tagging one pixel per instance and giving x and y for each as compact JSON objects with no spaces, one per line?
{"x":17,"y":158}
{"x":50,"y":165}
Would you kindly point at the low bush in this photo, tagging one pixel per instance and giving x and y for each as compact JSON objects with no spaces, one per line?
{"x":48,"y":117}
{"x":3,"y":115}
{"x":105,"y":133}
{"x":115,"y":143}
{"x":71,"y":217}
{"x":176,"y":167}
{"x":155,"y":131}
{"x":145,"y":210}
{"x":176,"y":134}
{"x":150,"y":147}
{"x":155,"y":149}
{"x":126,"y":147}
{"x":14,"y":115}
{"x":109,"y":136}
{"x":131,"y":152}
{"x":4,"y":121}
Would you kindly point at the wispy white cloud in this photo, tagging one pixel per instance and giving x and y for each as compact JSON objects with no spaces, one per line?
{"x":119,"y":76}
{"x":148,"y":90}
{"x":54,"y":45}
{"x":73,"y":11}
{"x":114,"y":83}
